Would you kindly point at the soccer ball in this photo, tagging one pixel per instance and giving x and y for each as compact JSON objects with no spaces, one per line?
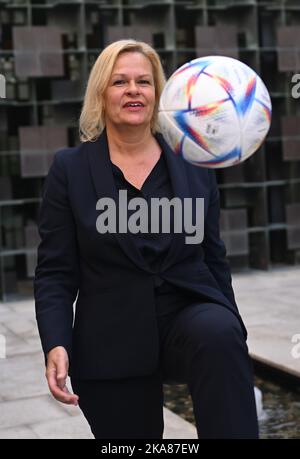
{"x":215,"y":111}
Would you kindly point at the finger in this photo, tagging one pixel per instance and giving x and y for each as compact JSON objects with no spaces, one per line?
{"x":61,"y":393}
{"x":60,"y":370}
{"x":74,"y":396}
{"x":64,"y":396}
{"x":61,"y":378}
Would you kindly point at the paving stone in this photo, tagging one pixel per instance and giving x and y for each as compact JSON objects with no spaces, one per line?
{"x":22,"y":376}
{"x":32,"y":410}
{"x":18,"y":346}
{"x":24,"y":328}
{"x":67,"y":427}
{"x":34,"y":345}
{"x":18,"y":433}
{"x":7,"y":313}
{"x":272,"y":315}
{"x":25,"y":308}
{"x":176,"y":427}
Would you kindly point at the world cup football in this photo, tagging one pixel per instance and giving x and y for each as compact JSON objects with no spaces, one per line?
{"x":215,"y":111}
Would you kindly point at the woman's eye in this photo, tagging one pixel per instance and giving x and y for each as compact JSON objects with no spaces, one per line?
{"x":121,"y":82}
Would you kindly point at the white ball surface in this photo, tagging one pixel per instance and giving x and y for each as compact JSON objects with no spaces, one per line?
{"x":215,"y":111}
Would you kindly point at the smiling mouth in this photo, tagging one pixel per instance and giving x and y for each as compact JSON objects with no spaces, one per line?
{"x":134,"y":105}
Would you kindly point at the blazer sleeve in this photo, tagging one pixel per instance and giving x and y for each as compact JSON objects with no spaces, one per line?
{"x":214,"y":248}
{"x":57,"y":272}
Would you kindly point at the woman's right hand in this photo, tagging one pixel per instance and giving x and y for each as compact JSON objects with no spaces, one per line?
{"x":56,"y":374}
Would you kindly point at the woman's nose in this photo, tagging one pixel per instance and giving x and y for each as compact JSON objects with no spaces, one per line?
{"x":133,"y":87}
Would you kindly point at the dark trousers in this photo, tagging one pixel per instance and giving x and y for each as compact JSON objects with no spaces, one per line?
{"x":201,"y":345}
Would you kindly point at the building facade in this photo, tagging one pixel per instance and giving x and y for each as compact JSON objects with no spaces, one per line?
{"x":47,"y":48}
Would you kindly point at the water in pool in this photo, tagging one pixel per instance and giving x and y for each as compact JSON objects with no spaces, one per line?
{"x":281,"y":408}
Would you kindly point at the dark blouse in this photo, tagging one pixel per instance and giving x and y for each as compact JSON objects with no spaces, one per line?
{"x":154,"y":246}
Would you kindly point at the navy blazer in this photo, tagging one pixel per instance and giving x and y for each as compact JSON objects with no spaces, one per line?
{"x":114,"y":333}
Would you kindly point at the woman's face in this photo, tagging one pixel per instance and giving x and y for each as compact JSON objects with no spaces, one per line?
{"x":129,"y":98}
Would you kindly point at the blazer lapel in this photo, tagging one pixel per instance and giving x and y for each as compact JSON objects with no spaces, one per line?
{"x":181,"y":189}
{"x":98,"y":157}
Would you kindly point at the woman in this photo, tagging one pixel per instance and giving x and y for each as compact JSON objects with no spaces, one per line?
{"x":151,"y":308}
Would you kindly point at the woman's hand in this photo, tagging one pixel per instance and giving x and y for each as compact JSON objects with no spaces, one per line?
{"x":56,"y":374}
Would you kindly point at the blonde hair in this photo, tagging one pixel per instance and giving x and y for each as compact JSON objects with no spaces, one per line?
{"x":92,"y":117}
